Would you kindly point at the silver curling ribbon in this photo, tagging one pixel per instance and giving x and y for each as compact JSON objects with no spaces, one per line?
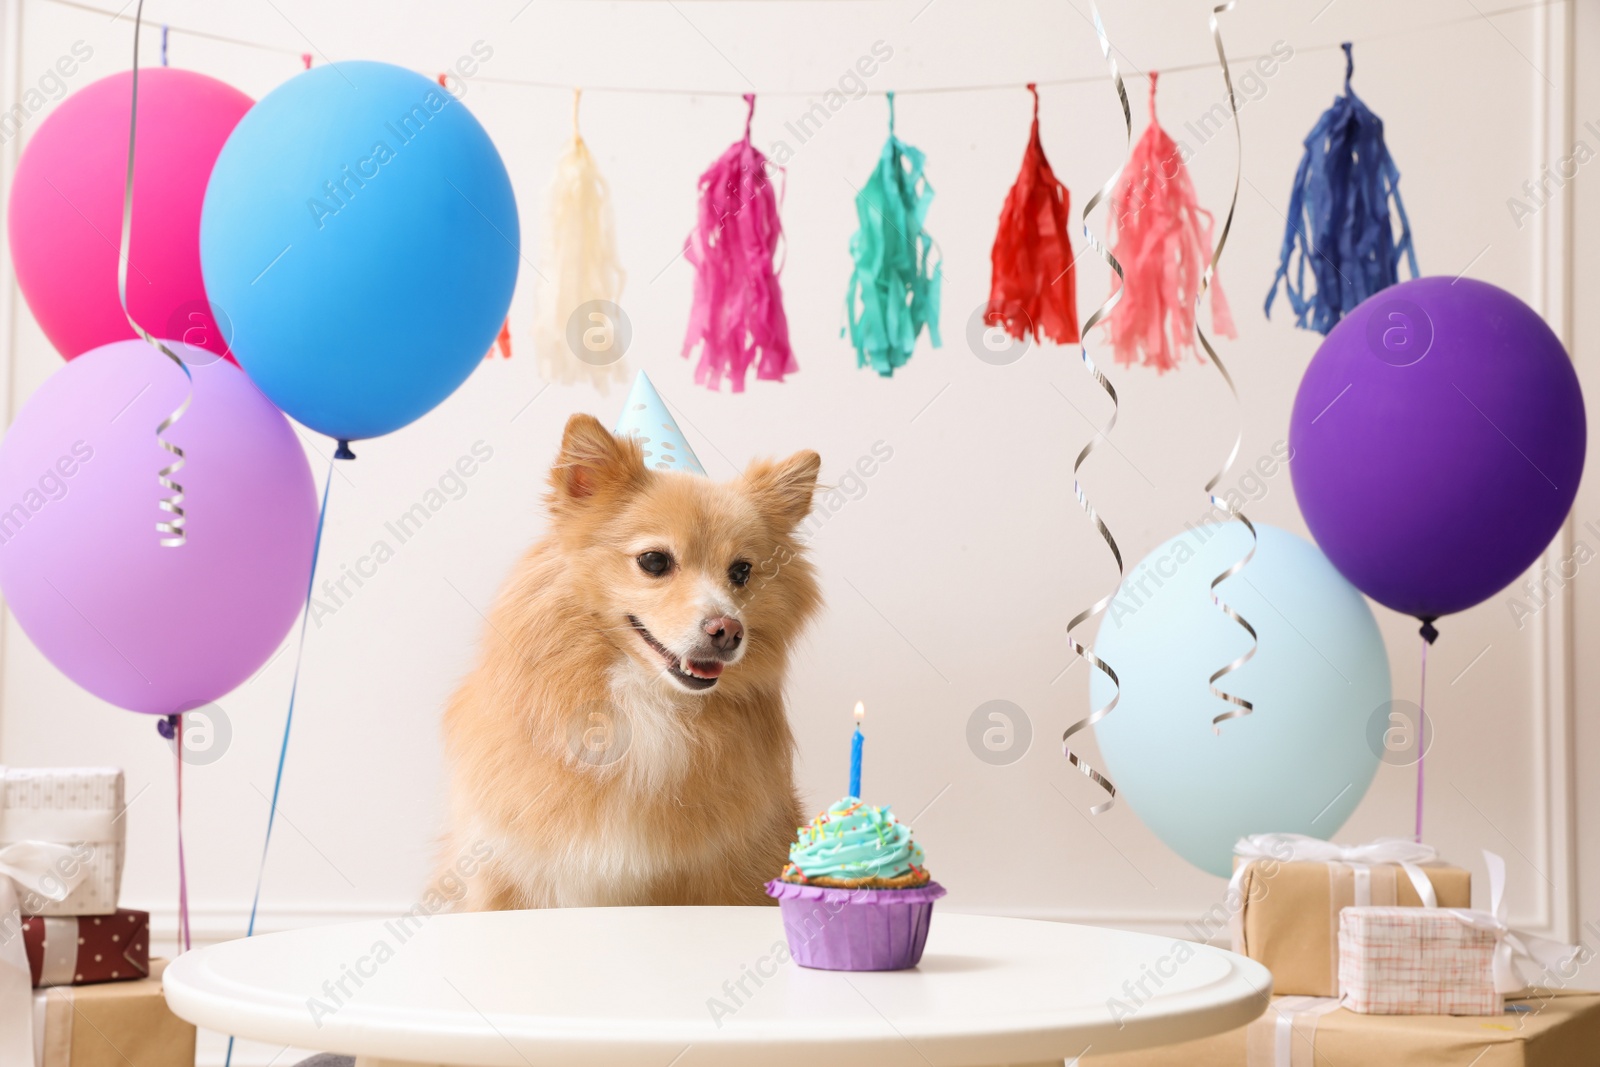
{"x":1098,"y":777}
{"x":1240,"y":707}
{"x":172,"y":528}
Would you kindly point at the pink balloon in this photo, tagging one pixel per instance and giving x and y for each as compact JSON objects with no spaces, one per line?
{"x":151,"y":628}
{"x":66,"y":210}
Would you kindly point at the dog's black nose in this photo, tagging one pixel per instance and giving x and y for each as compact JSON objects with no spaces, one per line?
{"x":725,"y":632}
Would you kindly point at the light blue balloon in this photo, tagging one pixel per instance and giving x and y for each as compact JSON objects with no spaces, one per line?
{"x":1302,"y":761}
{"x":360,"y":234}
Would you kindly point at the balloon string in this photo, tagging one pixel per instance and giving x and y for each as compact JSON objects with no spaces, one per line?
{"x":173,"y":530}
{"x":288,"y":722}
{"x":171,"y":728}
{"x":1241,"y":706}
{"x":183,"y":865}
{"x":1096,"y":776}
{"x":1422,"y":733}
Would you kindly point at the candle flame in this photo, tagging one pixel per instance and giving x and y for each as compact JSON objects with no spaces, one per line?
{"x":861,"y":711}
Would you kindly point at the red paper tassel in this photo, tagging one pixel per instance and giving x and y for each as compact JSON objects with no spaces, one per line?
{"x":1163,"y":241}
{"x":502,"y":343}
{"x":1033,"y":287}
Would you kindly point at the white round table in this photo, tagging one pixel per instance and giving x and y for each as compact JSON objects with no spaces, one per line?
{"x":707,"y":987}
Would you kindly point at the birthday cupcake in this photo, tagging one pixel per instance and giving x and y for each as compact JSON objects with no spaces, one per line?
{"x":855,"y":895}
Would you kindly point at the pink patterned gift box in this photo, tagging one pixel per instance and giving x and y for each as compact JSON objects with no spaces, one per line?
{"x":1416,"y":961}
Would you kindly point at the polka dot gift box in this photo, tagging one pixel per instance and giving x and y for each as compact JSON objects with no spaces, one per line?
{"x":88,"y":948}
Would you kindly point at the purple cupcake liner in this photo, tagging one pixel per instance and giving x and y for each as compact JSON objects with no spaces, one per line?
{"x":855,"y":929}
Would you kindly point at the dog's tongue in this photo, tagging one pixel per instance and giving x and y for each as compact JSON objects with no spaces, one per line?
{"x":705,"y":669}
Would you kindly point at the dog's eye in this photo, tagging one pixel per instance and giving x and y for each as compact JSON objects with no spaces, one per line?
{"x":739,"y":573}
{"x":655,"y":563}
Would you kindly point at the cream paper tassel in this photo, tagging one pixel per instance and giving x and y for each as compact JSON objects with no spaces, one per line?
{"x":578,"y":264}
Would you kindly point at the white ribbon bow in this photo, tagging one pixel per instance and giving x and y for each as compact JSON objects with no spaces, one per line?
{"x":1512,"y":945}
{"x":52,"y":871}
{"x":1298,"y":848}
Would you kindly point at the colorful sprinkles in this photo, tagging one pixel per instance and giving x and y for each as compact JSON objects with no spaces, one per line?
{"x":853,"y":840}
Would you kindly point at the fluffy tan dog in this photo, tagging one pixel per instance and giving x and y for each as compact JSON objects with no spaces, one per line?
{"x":623,"y":738}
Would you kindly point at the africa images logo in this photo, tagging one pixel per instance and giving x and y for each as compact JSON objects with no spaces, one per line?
{"x":339,"y":192}
{"x":53,"y":484}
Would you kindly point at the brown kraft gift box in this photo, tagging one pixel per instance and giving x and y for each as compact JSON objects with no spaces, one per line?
{"x":1289,"y":914}
{"x":1543,"y":1029}
{"x":112,"y":1025}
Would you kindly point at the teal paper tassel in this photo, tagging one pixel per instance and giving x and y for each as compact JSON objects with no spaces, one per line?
{"x":894,"y":287}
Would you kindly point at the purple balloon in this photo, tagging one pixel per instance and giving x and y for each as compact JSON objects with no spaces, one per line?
{"x":150,"y":628}
{"x":1437,"y":443}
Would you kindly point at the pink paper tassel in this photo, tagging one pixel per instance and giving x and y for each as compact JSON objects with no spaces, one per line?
{"x":738,"y":316}
{"x":1163,"y":241}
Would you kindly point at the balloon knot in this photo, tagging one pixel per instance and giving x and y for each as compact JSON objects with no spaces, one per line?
{"x":167,"y":726}
{"x":1429,"y":632}
{"x":343,"y":451}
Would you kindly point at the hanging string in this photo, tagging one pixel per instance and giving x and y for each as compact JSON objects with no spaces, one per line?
{"x":164,"y":44}
{"x":173,"y":530}
{"x":1423,"y":29}
{"x":288,"y":720}
{"x":1241,"y":706}
{"x":1097,"y":777}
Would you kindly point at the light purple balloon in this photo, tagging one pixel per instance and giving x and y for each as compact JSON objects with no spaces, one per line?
{"x":149,"y":628}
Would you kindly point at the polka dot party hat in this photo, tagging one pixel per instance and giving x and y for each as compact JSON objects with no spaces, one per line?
{"x":646,"y":417}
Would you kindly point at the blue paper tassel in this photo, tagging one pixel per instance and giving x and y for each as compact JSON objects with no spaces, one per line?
{"x":1339,"y":216}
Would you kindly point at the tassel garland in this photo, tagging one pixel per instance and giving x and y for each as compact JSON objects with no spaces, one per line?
{"x":1163,"y":241}
{"x":738,"y":318}
{"x":1339,"y":221}
{"x":894,"y":286}
{"x":577,"y":266}
{"x":1033,"y":284}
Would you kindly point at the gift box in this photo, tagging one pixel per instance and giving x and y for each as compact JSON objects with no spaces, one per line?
{"x":1288,"y":890}
{"x":1416,"y":961}
{"x":86,"y":949}
{"x":1546,"y":1029}
{"x":112,"y":1025}
{"x":76,"y":806}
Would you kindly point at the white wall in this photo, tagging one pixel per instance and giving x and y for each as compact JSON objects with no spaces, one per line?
{"x":972,"y":521}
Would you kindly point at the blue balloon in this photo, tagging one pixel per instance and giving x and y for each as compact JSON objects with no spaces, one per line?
{"x":360,"y":234}
{"x":1303,"y":760}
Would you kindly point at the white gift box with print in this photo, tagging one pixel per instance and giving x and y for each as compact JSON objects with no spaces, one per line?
{"x":1441,"y":961}
{"x":76,"y":806}
{"x":1415,"y":961}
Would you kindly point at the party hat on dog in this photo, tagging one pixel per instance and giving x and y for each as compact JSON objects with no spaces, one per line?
{"x":646,"y":417}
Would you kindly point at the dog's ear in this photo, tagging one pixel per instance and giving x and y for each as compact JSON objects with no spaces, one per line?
{"x":592,"y":460}
{"x":783,"y":490}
